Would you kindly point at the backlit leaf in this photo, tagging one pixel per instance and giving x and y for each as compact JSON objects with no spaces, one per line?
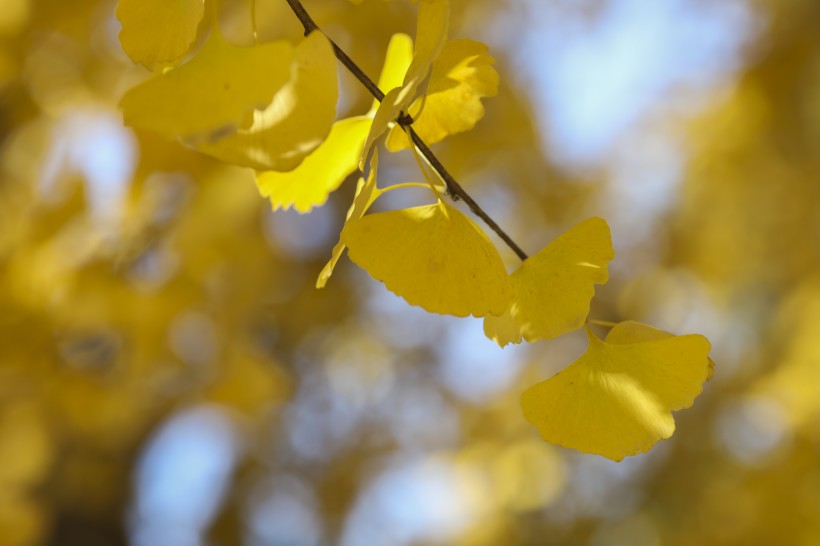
{"x":216,"y":91}
{"x":397,"y":59}
{"x":633,"y":332}
{"x":462,"y":75}
{"x":366,"y":194}
{"x":309,"y":184}
{"x":158,"y":31}
{"x":551,"y":291}
{"x":431,"y":33}
{"x":433,"y":256}
{"x":616,"y":399}
{"x":388,"y":111}
{"x":295,"y":123}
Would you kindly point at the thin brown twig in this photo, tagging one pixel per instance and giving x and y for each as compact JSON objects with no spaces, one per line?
{"x":454,"y":189}
{"x":310,"y":26}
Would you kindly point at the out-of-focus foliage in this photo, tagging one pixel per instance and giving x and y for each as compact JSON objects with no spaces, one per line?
{"x":168,"y":370}
{"x":158,"y":32}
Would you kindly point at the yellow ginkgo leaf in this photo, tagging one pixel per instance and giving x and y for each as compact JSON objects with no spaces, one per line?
{"x":295,"y":122}
{"x":462,"y":75}
{"x":366,"y":194}
{"x":389,"y":109}
{"x":433,"y":256}
{"x":397,"y":59}
{"x":215,"y":92}
{"x":551,"y":291}
{"x":158,"y":31}
{"x":617,"y":399}
{"x":630,"y":331}
{"x":310,"y":184}
{"x":431,"y":33}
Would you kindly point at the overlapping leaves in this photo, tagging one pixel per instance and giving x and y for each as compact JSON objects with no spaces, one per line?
{"x":457,"y":79}
{"x":266,"y":106}
{"x":431,"y":34}
{"x":461,"y":76}
{"x":326,"y":168}
{"x":271,"y":107}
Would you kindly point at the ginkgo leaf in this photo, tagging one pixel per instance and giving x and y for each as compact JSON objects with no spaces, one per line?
{"x":462,"y":75}
{"x":158,"y":31}
{"x":551,"y":291}
{"x":617,"y":399}
{"x":433,"y":256}
{"x":216,"y":91}
{"x":387,"y":112}
{"x":631,"y":331}
{"x":431,"y":34}
{"x":396,"y":61}
{"x":294,"y":124}
{"x":366,"y":193}
{"x":310,"y":184}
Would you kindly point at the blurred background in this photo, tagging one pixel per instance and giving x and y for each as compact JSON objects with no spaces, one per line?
{"x":169,"y":376}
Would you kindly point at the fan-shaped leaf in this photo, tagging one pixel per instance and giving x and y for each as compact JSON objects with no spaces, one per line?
{"x":433,"y":256}
{"x":616,"y":399}
{"x":295,"y":122}
{"x":158,"y":31}
{"x":551,"y":291}
{"x":216,"y":91}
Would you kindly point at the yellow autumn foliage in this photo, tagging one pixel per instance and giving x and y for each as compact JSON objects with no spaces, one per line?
{"x":551,"y":291}
{"x":616,"y":400}
{"x":170,"y":374}
{"x":156,"y":32}
{"x":439,"y":260}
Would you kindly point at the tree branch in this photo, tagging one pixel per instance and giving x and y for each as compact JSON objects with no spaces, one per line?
{"x":454,"y":189}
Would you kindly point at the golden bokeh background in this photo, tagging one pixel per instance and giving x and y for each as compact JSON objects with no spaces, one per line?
{"x":169,"y":375}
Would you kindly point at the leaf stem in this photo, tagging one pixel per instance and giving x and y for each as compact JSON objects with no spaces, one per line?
{"x":404,"y":185}
{"x":420,"y":163}
{"x":454,"y":189}
{"x":604,"y":323}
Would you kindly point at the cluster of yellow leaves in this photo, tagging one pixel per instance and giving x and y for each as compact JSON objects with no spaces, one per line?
{"x":338,"y":156}
{"x":271,"y":107}
{"x":431,"y":34}
{"x":265,"y":107}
